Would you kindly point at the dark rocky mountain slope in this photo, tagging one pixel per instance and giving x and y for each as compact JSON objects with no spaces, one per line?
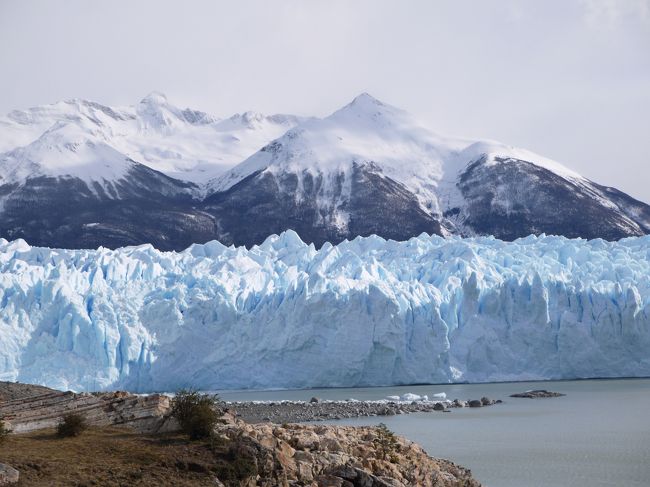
{"x":368,"y":168}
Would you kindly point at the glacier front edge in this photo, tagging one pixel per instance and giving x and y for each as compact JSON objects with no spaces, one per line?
{"x":283,"y":314}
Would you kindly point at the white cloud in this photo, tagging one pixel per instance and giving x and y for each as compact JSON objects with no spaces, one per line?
{"x":611,"y":13}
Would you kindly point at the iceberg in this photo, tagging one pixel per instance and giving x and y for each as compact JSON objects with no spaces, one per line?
{"x":410,"y":397}
{"x":284,"y":314}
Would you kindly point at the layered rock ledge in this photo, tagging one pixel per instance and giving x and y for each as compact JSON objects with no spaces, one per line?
{"x":45,"y":408}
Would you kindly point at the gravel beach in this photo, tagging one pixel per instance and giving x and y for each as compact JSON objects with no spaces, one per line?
{"x":317,"y":410}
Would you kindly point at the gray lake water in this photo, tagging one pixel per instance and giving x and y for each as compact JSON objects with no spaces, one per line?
{"x":597,"y":435}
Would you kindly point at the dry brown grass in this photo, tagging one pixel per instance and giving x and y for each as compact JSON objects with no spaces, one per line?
{"x":110,"y":457}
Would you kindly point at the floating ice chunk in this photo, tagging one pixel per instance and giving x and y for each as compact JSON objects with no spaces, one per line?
{"x":410,"y":397}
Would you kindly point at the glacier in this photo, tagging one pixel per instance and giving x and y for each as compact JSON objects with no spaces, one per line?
{"x":284,"y":314}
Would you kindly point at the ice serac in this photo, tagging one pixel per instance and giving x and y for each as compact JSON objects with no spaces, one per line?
{"x":364,"y":312}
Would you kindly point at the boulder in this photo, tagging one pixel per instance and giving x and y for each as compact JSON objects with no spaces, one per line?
{"x":305,"y":440}
{"x":475,"y":403}
{"x":332,"y":481}
{"x":486,"y":401}
{"x":387,"y":412}
{"x":8,"y":475}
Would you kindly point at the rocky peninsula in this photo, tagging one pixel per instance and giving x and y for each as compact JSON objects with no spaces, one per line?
{"x":319,"y":410}
{"x":133,"y":441}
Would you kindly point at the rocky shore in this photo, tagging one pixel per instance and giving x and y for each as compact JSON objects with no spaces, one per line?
{"x":264,"y":450}
{"x":31,"y":408}
{"x":536,"y":394}
{"x":331,"y":456}
{"x":254,"y":446}
{"x":318,"y":410}
{"x":242,"y":455}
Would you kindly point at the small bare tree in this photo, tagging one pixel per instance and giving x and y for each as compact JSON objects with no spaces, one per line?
{"x":386,"y":442}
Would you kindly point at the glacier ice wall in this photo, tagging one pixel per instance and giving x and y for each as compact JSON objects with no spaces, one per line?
{"x":285,"y":315}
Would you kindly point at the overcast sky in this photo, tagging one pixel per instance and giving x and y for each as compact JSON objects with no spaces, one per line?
{"x":569,"y":79}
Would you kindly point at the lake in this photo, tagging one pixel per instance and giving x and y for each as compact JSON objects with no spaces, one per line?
{"x":597,"y":435}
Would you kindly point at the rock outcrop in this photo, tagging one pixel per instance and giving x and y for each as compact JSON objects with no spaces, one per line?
{"x":18,"y":390}
{"x":45,"y":410}
{"x":537,"y":394}
{"x":320,"y":455}
{"x":8,"y":475}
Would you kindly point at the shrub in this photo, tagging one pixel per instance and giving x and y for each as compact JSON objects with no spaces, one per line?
{"x":72,"y":424}
{"x":197,"y":414}
{"x":4,"y":431}
{"x":239,"y":463}
{"x":237,"y":470}
{"x":386,"y":442}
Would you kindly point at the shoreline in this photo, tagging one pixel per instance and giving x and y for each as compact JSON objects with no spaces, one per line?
{"x":279,"y":412}
{"x":30,"y":407}
{"x":122,"y":426}
{"x":425,"y":384}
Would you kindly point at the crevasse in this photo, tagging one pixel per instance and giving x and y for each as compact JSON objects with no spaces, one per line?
{"x":361,"y":313}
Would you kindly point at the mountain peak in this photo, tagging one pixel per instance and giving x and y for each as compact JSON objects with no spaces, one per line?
{"x":365,"y":103}
{"x":249,"y":118}
{"x":367,"y":107}
{"x":155,"y":98}
{"x":366,"y":99}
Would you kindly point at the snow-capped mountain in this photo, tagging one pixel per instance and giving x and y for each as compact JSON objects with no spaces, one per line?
{"x":185,"y":144}
{"x":370,"y":168}
{"x":80,"y":174}
{"x":362,"y":313}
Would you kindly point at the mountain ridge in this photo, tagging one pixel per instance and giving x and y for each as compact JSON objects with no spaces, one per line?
{"x":368,"y":168}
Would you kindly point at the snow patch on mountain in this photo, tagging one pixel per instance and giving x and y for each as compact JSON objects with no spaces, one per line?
{"x":69,"y":151}
{"x":498,"y":153}
{"x":364,"y":132}
{"x":365,"y":312}
{"x":184,"y":144}
{"x":368,"y":168}
{"x":215,"y":154}
{"x":369,"y":133}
